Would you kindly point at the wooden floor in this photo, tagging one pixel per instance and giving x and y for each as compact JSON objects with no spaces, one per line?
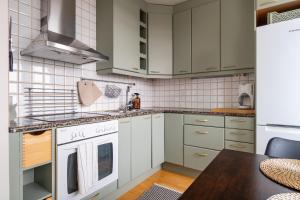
{"x":162,"y":177}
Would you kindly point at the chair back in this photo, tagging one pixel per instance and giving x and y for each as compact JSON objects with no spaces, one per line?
{"x":283,"y":148}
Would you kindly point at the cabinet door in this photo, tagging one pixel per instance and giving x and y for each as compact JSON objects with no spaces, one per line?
{"x":237,"y":34}
{"x":126,"y":35}
{"x":140,"y":145}
{"x":158,"y":139}
{"x":174,"y":138}
{"x":182,"y":28}
{"x":206,"y":37}
{"x":124,"y":151}
{"x":160,"y":43}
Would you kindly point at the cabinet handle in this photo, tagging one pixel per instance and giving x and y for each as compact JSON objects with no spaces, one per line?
{"x":124,"y":122}
{"x":238,"y":121}
{"x":238,"y":146}
{"x":156,"y":117}
{"x":155,"y":72}
{"x":210,"y":68}
{"x":147,"y":117}
{"x":201,"y":154}
{"x":183,"y":71}
{"x":268,"y":2}
{"x":199,"y":132}
{"x":228,"y":67}
{"x":204,"y":120}
{"x":234,"y":133}
{"x":135,"y":68}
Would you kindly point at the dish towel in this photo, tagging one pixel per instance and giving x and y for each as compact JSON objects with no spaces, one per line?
{"x":85,"y":167}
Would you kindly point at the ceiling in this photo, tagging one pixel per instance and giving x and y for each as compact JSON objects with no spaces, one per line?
{"x":166,"y":2}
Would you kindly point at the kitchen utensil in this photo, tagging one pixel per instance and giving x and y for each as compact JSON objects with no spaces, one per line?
{"x":11,"y":59}
{"x":112,"y":91}
{"x":88,"y":92}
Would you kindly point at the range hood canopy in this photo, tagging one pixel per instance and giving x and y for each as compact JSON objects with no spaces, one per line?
{"x":57,"y":38}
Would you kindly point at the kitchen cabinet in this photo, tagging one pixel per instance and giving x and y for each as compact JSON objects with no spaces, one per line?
{"x":124,"y":151}
{"x":140,"y":145}
{"x":158,"y":139}
{"x":160,"y":40}
{"x":174,"y":138}
{"x":118,"y":35}
{"x":237,"y":34}
{"x":206,"y":37}
{"x":182,"y":27}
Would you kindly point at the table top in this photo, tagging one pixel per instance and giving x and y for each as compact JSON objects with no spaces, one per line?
{"x":234,"y":175}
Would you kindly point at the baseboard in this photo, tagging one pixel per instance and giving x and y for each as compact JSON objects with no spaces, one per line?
{"x":181,"y":170}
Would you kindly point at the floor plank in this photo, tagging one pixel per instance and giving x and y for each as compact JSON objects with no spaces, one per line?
{"x":162,"y":177}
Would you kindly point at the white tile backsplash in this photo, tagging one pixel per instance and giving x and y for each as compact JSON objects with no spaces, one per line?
{"x":37,"y":72}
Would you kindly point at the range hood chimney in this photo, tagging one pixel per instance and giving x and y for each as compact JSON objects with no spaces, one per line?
{"x":57,"y":38}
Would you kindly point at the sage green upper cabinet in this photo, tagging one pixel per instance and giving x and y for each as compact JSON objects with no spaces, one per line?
{"x":237,"y":34}
{"x":174,"y":138}
{"x":140,"y":145}
{"x":118,"y":35}
{"x":158,"y":139}
{"x":206,"y":37}
{"x":160,"y":40}
{"x":182,"y":27}
{"x":124,"y":151}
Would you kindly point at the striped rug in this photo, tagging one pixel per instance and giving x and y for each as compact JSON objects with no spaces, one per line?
{"x":158,"y":192}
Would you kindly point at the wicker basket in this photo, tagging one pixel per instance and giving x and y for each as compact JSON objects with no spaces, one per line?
{"x":275,"y":17}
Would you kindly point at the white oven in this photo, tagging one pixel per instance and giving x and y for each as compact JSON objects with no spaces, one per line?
{"x":87,"y":159}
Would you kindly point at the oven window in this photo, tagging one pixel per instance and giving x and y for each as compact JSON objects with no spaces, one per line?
{"x":72,"y":173}
{"x":105,"y":160}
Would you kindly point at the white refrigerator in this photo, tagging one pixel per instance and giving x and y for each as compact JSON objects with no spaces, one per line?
{"x":278,"y":82}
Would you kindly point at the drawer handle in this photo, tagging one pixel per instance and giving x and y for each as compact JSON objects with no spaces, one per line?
{"x":157,"y":117}
{"x":135,"y":68}
{"x":199,"y":132}
{"x":266,"y":3}
{"x":234,"y":133}
{"x":210,"y":68}
{"x":204,"y":121}
{"x":237,"y":146}
{"x":124,"y":122}
{"x":201,"y":154}
{"x":147,"y":117}
{"x":238,"y":121}
{"x":155,"y":72}
{"x":182,"y":71}
{"x":229,"y":67}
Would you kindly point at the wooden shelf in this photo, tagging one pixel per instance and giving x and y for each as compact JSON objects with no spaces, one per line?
{"x":262,"y":14}
{"x":33,"y":191}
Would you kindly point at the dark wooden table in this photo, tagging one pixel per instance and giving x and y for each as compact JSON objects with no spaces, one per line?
{"x":236,"y":176}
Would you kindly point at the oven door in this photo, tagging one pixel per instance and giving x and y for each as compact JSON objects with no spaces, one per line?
{"x":105,"y":160}
{"x":67,"y":171}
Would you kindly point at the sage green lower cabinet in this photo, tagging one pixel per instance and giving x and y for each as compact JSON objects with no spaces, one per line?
{"x":239,"y":146}
{"x":204,"y":120}
{"x":240,"y":135}
{"x":247,"y":123}
{"x":124,"y":151}
{"x":158,"y":139}
{"x":206,"y":137}
{"x":140,"y":145}
{"x":198,"y":158}
{"x":174,"y":138}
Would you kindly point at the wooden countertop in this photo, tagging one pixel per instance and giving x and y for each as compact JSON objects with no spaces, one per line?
{"x":234,"y":176}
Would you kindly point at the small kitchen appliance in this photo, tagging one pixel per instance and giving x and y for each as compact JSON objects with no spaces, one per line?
{"x":246,"y":96}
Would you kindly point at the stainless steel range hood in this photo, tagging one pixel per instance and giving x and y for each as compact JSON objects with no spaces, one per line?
{"x":57,"y":39}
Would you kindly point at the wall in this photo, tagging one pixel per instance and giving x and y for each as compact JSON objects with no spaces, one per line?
{"x":199,"y":93}
{"x":35,"y":72}
{"x":4,"y":154}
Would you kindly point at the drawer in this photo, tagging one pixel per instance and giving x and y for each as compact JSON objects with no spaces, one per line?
{"x":36,"y":148}
{"x":240,"y":122}
{"x":198,"y":158}
{"x":204,"y":120}
{"x":239,"y":146}
{"x":205,"y":137}
{"x":239,"y":135}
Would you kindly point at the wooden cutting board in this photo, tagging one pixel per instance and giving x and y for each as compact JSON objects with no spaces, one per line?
{"x":88,"y":92}
{"x":233,"y":111}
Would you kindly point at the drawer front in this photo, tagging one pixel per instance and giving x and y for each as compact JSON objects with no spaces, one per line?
{"x":36,"y":148}
{"x":198,"y":158}
{"x":247,"y":123}
{"x":204,"y":120}
{"x":205,"y":137}
{"x":239,"y":135}
{"x":239,"y":146}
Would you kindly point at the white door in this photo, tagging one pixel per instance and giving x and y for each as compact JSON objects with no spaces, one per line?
{"x":265,"y":133}
{"x":278,"y":74}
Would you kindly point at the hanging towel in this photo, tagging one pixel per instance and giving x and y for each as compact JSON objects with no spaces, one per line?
{"x":85,"y":167}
